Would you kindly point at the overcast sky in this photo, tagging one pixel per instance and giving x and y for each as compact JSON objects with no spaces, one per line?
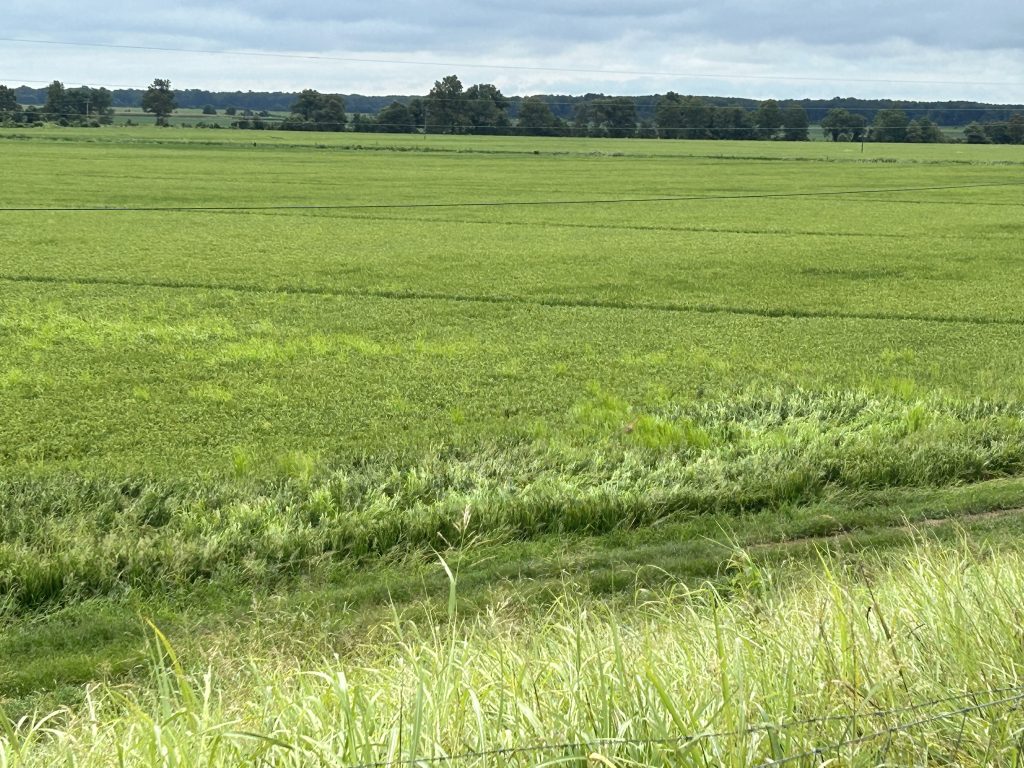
{"x":782,"y":48}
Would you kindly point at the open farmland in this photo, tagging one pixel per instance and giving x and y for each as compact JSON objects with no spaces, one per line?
{"x":238,"y":370}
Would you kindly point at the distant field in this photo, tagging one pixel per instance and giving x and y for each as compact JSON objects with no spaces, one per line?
{"x":261,"y":354}
{"x":289,"y":328}
{"x":187,"y":118}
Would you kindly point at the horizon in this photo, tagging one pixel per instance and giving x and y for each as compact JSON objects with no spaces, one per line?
{"x":788,"y":52}
{"x":41,"y":85}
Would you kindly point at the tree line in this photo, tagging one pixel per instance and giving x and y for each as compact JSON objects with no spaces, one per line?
{"x":945,"y":113}
{"x":63,"y":106}
{"x":482,"y":109}
{"x":82,"y":106}
{"x":895,"y":126}
{"x":451,"y":108}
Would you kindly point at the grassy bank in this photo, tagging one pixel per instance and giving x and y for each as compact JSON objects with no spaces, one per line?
{"x":910,"y":659}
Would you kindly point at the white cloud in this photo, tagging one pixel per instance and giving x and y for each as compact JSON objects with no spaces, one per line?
{"x":784,"y":49}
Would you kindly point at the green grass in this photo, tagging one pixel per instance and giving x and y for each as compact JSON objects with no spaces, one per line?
{"x":206,"y":411}
{"x":897,"y":659}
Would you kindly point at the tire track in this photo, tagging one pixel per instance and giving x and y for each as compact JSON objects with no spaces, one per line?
{"x":555,"y":302}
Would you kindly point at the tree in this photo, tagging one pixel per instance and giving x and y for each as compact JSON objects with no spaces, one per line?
{"x":1015,"y":128}
{"x":72,"y":106}
{"x":890,"y":125}
{"x":315,"y":111}
{"x":445,"y":106}
{"x":614,"y":116}
{"x":834,"y":123}
{"x":362,"y":123}
{"x":159,"y":100}
{"x":679,"y":117}
{"x":697,"y":118}
{"x":768,"y":119}
{"x":486,"y":110}
{"x":537,"y":119}
{"x":668,"y":116}
{"x":56,"y":102}
{"x":975,"y":134}
{"x":924,"y":131}
{"x":95,"y":103}
{"x":9,"y":107}
{"x":998,"y":132}
{"x":795,"y":124}
{"x":395,"y":118}
{"x":731,"y":123}
{"x":232,"y":111}
{"x":209,"y":109}
{"x":839,"y":124}
{"x":857,"y":127}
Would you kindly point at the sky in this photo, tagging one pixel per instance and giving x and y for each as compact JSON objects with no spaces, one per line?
{"x":914,"y":49}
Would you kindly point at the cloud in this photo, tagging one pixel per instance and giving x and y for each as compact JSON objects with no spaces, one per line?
{"x":758,"y":49}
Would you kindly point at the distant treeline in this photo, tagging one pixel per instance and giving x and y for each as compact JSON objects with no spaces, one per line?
{"x":945,"y":113}
{"x":482,"y":109}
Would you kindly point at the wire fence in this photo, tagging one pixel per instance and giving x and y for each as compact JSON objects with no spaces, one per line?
{"x":1008,"y":696}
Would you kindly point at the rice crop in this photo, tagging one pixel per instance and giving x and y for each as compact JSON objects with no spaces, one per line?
{"x":252,"y":367}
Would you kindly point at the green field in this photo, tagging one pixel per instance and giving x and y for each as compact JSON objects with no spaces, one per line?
{"x":249,"y":382}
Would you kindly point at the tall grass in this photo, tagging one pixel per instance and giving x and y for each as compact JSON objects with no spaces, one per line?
{"x":64,"y":539}
{"x":780,"y":662}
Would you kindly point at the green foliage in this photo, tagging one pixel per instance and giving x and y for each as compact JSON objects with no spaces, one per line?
{"x":479,"y":109}
{"x":396,"y":118}
{"x":1000,"y":132}
{"x":769,"y":119}
{"x":612,"y":117}
{"x":890,"y":125}
{"x":315,"y":111}
{"x":795,"y":126}
{"x":444,"y":106}
{"x":537,"y":119}
{"x":924,"y":131}
{"x":840,"y":125}
{"x":9,"y":107}
{"x":908,"y":660}
{"x":159,"y":100}
{"x":690,"y":117}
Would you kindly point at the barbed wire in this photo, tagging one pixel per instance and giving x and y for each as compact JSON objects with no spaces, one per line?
{"x":891,"y":731}
{"x":1017,"y":690}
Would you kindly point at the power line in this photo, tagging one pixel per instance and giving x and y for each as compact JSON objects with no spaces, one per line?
{"x":489,"y":204}
{"x":511,"y":67}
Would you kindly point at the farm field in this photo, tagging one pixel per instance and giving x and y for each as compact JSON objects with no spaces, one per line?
{"x":251,"y":383}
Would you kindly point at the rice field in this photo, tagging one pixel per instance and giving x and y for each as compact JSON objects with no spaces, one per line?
{"x":247,"y":367}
